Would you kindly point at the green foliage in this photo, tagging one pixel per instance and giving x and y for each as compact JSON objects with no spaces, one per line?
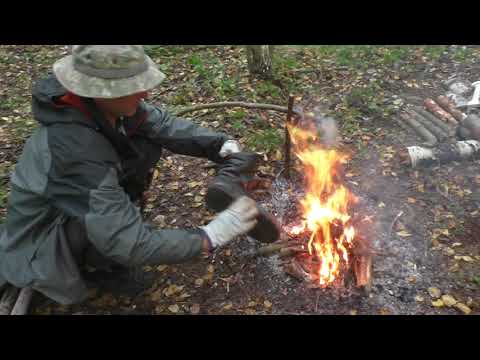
{"x":265,"y":140}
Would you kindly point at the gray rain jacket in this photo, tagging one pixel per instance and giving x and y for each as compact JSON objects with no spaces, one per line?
{"x":69,"y":171}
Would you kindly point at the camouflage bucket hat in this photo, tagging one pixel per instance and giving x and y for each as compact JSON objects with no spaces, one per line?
{"x":107,"y":71}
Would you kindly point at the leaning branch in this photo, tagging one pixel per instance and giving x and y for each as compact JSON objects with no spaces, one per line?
{"x":235,"y":104}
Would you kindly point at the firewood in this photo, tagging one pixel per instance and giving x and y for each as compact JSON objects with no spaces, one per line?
{"x":447,"y":127}
{"x":418,"y":156}
{"x":434,"y":129}
{"x":23,"y":301}
{"x":435,"y":109}
{"x":430,"y":139}
{"x":449,"y":106}
{"x":8,"y":300}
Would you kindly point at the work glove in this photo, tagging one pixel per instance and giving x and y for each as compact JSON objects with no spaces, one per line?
{"x":230,"y":147}
{"x":238,"y":219}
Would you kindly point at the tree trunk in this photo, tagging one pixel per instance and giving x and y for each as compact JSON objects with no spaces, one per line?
{"x":260,"y":60}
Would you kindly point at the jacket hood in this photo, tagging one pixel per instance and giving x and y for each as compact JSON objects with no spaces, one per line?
{"x":48,"y":109}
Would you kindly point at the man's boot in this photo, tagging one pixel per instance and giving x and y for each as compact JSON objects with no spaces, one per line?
{"x":230,"y":183}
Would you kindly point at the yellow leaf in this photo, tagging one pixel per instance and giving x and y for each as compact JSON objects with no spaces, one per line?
{"x":198,"y":199}
{"x":467,"y":259}
{"x":161,"y":268}
{"x":404,"y":233}
{"x":174,"y":308}
{"x":250,"y":312}
{"x":267,"y":304}
{"x":419,"y":298}
{"x":448,"y":300}
{"x":463,"y":308}
{"x":434,"y":292}
{"x":252,"y":304}
{"x":196,"y":205}
{"x":228,"y":306}
{"x":411,"y":200}
{"x":199,"y":282}
{"x":438,"y":303}
{"x":381,"y":205}
{"x":210,"y":268}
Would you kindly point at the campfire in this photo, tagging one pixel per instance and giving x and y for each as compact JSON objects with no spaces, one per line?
{"x":323,"y":244}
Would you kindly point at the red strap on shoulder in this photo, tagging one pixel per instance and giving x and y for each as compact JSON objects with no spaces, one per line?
{"x":72,"y":100}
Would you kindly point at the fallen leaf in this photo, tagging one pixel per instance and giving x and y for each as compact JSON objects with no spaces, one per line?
{"x":252,"y":304}
{"x":228,"y":306}
{"x":463,"y":308}
{"x":250,"y":312}
{"x":411,"y":200}
{"x":438,"y":303}
{"x":384,"y":311}
{"x":173,"y":289}
{"x":448,"y":300}
{"x":353,"y":312}
{"x":419,"y":298}
{"x":161,"y":268}
{"x":404,"y":233}
{"x":210,"y":268}
{"x":198,"y":198}
{"x":434,"y":292}
{"x":174,"y":308}
{"x":381,"y":205}
{"x":195,"y":309}
{"x":160,"y":220}
{"x":156,"y":296}
{"x":467,"y":259}
{"x":199,"y":282}
{"x":267,"y":304}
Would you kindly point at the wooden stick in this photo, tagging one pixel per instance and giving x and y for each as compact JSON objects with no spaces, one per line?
{"x":8,"y":300}
{"x":430,"y":139}
{"x":363,"y":272}
{"x":435,"y":109}
{"x":288,"y":143}
{"x":449,"y":106}
{"x":23,"y":301}
{"x":235,"y":104}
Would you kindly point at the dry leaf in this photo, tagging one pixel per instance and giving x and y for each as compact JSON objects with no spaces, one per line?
{"x":195,"y":309}
{"x":267,"y":304}
{"x":463,"y":308}
{"x":252,"y":304}
{"x":210,"y":268}
{"x":199,"y":282}
{"x":381,"y":205}
{"x":411,"y":200}
{"x":172,"y":289}
{"x":419,"y":298}
{"x":161,"y":268}
{"x":438,"y":303}
{"x":448,"y":300}
{"x":353,"y":312}
{"x":174,"y":308}
{"x":250,"y":312}
{"x":404,"y":233}
{"x":228,"y":306}
{"x":434,"y":292}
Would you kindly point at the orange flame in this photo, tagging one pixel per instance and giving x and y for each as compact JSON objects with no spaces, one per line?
{"x":325,"y":205}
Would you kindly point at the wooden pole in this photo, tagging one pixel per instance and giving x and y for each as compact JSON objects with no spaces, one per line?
{"x":288,"y":143}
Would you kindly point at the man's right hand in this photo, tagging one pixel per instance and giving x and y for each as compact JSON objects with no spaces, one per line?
{"x":238,"y":219}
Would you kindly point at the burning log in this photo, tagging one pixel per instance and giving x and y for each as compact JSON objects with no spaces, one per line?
{"x":418,"y":156}
{"x":449,"y":105}
{"x":436,"y":110}
{"x":8,"y":300}
{"x":434,"y":129}
{"x":430,"y":139}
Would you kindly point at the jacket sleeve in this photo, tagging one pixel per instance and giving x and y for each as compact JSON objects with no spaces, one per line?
{"x":181,"y":136}
{"x":83,"y":182}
